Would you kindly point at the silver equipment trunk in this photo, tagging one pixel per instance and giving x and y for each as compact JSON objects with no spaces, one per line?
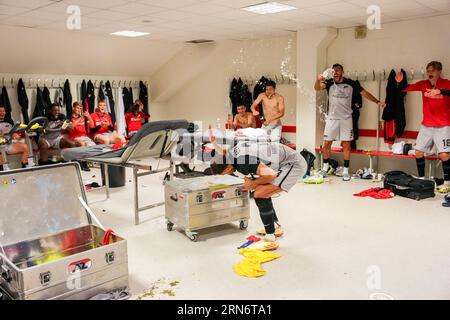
{"x":49,"y":248}
{"x":203,"y":202}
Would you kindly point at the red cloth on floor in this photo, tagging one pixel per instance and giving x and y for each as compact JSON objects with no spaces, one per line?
{"x":376,"y":193}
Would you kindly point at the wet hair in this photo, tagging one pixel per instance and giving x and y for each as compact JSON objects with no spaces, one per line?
{"x":436,"y":65}
{"x":2,"y":106}
{"x":337,"y":65}
{"x":220,"y":163}
{"x":218,"y":168}
{"x":101,"y":101}
{"x":55,"y":105}
{"x":271,"y":83}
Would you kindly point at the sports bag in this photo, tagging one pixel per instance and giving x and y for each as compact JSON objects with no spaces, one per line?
{"x":405,"y":185}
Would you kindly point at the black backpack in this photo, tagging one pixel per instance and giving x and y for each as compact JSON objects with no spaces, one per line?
{"x":406,"y":148}
{"x":405,"y":185}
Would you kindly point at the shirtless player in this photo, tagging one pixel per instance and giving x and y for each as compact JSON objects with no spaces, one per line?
{"x":243,"y":119}
{"x":274,"y":109}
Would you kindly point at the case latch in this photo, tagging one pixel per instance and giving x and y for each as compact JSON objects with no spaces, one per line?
{"x":45,"y":278}
{"x":109,"y":256}
{"x":5,"y":273}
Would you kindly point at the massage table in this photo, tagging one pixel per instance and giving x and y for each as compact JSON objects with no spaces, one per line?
{"x":155,"y":140}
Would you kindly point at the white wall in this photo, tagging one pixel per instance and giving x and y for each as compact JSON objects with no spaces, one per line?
{"x":312,"y":57}
{"x":407,"y":44}
{"x":206,"y":72}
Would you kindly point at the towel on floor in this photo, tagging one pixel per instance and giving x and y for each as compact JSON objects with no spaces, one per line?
{"x":376,"y":193}
{"x":251,"y":266}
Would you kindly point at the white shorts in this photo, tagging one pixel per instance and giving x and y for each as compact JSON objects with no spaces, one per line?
{"x":9,"y":146}
{"x":88,"y":141}
{"x":53,"y":143}
{"x":290,"y":174}
{"x":433,"y":136}
{"x":338,"y":130}
{"x":273,"y":130}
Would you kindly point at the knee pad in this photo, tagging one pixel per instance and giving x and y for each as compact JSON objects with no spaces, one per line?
{"x":267,"y":214}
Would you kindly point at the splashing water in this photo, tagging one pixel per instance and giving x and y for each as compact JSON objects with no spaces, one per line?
{"x":287,"y":68}
{"x":243,"y":62}
{"x":329,"y":73}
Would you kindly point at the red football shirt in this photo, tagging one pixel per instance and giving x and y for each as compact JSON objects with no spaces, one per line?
{"x":436,"y":110}
{"x":134,"y":123}
{"x":78,"y":130}
{"x":98,"y":119}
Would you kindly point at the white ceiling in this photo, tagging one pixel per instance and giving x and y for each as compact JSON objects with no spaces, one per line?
{"x":182,"y":20}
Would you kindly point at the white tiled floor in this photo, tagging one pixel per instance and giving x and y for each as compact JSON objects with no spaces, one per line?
{"x":335,"y":247}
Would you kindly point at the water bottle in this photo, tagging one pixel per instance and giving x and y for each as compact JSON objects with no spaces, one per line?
{"x":328,"y":74}
{"x":218,"y":124}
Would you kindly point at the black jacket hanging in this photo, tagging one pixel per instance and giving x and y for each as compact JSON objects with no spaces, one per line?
{"x":260,"y":87}
{"x":131,"y":96}
{"x":143,"y":96}
{"x":47,"y":100}
{"x":84,"y":95}
{"x":23,"y":100}
{"x":91,"y":96}
{"x":68,"y":99}
{"x":357,"y":104}
{"x":4,"y":101}
{"x":246,"y":97}
{"x":40,"y":108}
{"x":395,"y":102}
{"x":109,"y":94}
{"x":234,"y":96}
{"x":101,"y":93}
{"x":126,"y":99}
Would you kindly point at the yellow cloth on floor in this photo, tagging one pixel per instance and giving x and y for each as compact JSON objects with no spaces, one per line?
{"x":251,"y":266}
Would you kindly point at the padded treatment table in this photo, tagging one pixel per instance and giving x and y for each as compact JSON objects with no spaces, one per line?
{"x":199,"y":140}
{"x":231,"y":136}
{"x":155,"y":140}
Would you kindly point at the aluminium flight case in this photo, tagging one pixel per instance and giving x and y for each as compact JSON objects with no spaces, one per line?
{"x":204,"y":202}
{"x":49,"y":248}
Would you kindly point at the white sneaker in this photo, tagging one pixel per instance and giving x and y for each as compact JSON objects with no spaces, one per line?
{"x":323,"y":173}
{"x":339,"y":172}
{"x":346,"y":177}
{"x":270,"y":237}
{"x":279,"y":231}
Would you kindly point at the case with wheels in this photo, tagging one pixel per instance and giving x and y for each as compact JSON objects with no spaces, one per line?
{"x":405,"y":185}
{"x":49,"y":248}
{"x":198,"y":203}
